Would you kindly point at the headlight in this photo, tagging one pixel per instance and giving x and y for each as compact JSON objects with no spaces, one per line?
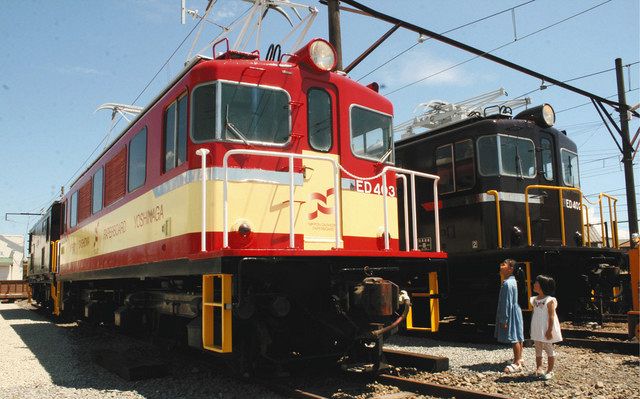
{"x":548,"y":115}
{"x":317,"y":54}
{"x":542,"y":115}
{"x":322,"y":55}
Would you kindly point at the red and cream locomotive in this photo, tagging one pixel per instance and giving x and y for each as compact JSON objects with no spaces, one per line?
{"x":251,"y":209}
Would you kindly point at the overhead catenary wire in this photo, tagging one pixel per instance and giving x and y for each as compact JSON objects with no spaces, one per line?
{"x":544,"y":87}
{"x":114,"y":125}
{"x":589,"y":103}
{"x":487,"y":54}
{"x":611,"y":191}
{"x":443,"y":33}
{"x":600,"y":159}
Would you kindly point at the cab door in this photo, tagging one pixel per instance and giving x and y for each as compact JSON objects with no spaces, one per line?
{"x":319,"y":188}
{"x":547,"y":227}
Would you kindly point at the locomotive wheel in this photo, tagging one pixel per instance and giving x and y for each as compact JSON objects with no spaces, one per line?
{"x":244,"y":360}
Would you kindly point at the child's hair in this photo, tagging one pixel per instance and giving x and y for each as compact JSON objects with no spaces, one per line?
{"x":511,"y":263}
{"x":517,"y":270}
{"x":547,"y":284}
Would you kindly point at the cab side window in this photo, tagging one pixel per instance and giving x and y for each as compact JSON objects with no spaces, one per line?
{"x":137,"y":160}
{"x":455,"y":165}
{"x":444,"y":168}
{"x":73,"y":212}
{"x":465,"y":174}
{"x":175,"y":134}
{"x":98,"y":183}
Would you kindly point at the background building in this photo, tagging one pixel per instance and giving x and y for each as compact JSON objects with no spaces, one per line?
{"x":11,"y":256}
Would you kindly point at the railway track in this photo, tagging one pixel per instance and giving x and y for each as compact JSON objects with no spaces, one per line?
{"x":604,"y":345}
{"x":407,"y":387}
{"x":601,"y":341}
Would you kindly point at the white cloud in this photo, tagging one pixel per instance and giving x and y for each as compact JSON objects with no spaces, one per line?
{"x":81,"y":70}
{"x":420,"y":65}
{"x":226,"y":10}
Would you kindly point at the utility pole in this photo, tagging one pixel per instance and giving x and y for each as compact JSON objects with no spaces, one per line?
{"x":627,"y":154}
{"x":334,"y":30}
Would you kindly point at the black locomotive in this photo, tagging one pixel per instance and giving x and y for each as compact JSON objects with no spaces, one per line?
{"x":509,"y":188}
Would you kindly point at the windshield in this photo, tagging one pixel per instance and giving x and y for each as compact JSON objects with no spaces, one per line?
{"x":506,"y":156}
{"x":230,"y":111}
{"x":371,"y":135}
{"x":570,"y":171}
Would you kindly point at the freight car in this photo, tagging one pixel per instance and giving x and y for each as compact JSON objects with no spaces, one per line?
{"x":249,"y":210}
{"x":510,"y":188}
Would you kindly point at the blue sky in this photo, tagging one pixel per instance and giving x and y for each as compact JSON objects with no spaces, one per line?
{"x":60,"y":60}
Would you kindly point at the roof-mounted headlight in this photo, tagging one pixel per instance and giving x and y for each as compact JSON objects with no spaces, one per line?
{"x":318,"y":54}
{"x":322,"y":55}
{"x":543,"y":115}
{"x":548,"y":115}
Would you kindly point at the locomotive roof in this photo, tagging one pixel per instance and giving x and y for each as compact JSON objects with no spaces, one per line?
{"x":467,"y":125}
{"x":341,"y":77}
{"x":197,"y":59}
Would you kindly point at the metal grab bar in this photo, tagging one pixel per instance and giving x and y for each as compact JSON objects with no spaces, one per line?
{"x":336,"y":172}
{"x":202,"y":152}
{"x":414,"y":223}
{"x":613,"y":218}
{"x":560,"y":191}
{"x":586,"y":213}
{"x":291,"y":157}
{"x":406,"y":213}
{"x":496,"y":195}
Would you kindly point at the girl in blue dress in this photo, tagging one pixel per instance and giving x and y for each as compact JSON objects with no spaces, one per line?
{"x":509,"y":326}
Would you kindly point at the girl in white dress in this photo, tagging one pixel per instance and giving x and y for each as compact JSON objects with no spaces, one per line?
{"x":545,"y":327}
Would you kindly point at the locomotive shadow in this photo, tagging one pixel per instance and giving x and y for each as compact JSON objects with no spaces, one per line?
{"x":484,"y":367}
{"x":20,"y":314}
{"x":517,"y":378}
{"x":67,"y":353}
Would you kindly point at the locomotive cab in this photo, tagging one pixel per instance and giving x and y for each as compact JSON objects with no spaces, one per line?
{"x":509,"y":188}
{"x":482,"y":156}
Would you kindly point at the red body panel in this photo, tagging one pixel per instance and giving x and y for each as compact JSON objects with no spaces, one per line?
{"x":344,"y":92}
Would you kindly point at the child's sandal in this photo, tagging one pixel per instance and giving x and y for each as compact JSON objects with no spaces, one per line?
{"x":512,"y":368}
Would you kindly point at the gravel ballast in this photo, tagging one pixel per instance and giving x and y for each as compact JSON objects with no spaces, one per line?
{"x":42,"y":359}
{"x":579,"y":373}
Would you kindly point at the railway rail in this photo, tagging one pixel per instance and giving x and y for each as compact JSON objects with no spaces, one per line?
{"x":600,"y":341}
{"x":408,"y":388}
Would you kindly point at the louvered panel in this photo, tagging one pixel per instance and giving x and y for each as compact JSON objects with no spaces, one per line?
{"x":84,"y":201}
{"x":115,"y":172}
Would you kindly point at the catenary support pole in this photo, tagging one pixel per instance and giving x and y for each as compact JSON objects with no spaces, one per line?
{"x":627,"y":153}
{"x":334,"y":30}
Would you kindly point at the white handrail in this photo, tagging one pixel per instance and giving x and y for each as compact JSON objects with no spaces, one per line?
{"x":291,"y":157}
{"x":203,"y":234}
{"x":406,"y":211}
{"x":413,"y":175}
{"x":400,"y":174}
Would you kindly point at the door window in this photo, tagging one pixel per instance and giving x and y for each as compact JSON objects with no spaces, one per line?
{"x":319,"y":119}
{"x":546,"y":156}
{"x":570,"y":170}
